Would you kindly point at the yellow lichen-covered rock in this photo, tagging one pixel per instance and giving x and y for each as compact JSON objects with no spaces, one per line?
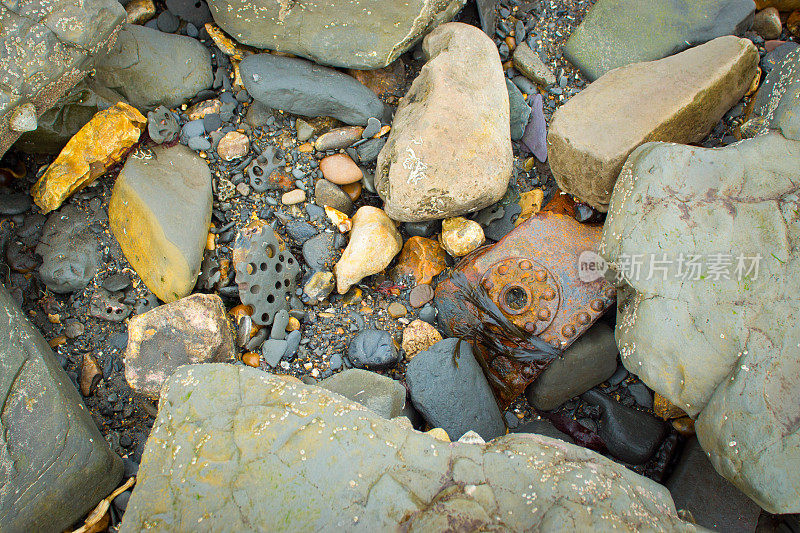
{"x":160,"y":212}
{"x":99,"y":144}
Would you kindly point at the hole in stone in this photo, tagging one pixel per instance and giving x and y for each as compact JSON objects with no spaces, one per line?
{"x":277,"y":284}
{"x":255,"y":289}
{"x":278,"y":267}
{"x":270,"y":251}
{"x":264,"y":317}
{"x":251,"y":267}
{"x":515,"y":298}
{"x":271,"y":298}
{"x":280,"y":257}
{"x":262,"y":266}
{"x":258,"y":171}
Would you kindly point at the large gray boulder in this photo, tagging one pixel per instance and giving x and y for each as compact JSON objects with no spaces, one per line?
{"x":361,"y":34}
{"x":619,"y":32}
{"x":237,"y":449}
{"x":152,"y":68}
{"x":55,"y":465}
{"x":48,"y":47}
{"x":449,"y":151}
{"x":705,"y":243}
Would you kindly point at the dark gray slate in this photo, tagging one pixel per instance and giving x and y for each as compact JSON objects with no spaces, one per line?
{"x":373,"y":349}
{"x":48,"y":47}
{"x":455,"y":398}
{"x":69,"y":251}
{"x":713,"y":500}
{"x":55,"y":465}
{"x":520,"y":111}
{"x":619,"y":32}
{"x":303,"y":88}
{"x":777,"y":103}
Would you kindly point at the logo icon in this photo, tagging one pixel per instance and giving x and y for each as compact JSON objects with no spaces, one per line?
{"x":591,"y":267}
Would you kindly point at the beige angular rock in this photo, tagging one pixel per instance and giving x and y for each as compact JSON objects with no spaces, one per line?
{"x":373,"y":244}
{"x":449,"y":150}
{"x":460,"y":236}
{"x":233,"y":146}
{"x":531,"y":66}
{"x":418,"y":337}
{"x":677,"y":99}
{"x":192,"y":330}
{"x":767,"y":23}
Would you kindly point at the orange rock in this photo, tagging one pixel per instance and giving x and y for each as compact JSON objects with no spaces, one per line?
{"x":561,"y":204}
{"x":531,"y":203}
{"x":418,"y":337}
{"x":101,"y":143}
{"x":340,"y":169}
{"x":201,"y":109}
{"x":684,"y":425}
{"x":353,"y":190}
{"x":793,"y":23}
{"x":251,"y":359}
{"x":382,"y":81}
{"x":511,"y":43}
{"x":664,"y":409}
{"x":306,"y":148}
{"x":240,"y":311}
{"x":421,"y":258}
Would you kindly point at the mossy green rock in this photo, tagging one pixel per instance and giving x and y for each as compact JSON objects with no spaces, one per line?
{"x":237,"y":449}
{"x":55,"y":465}
{"x":719,"y":340}
{"x":361,"y":34}
{"x":619,"y":32}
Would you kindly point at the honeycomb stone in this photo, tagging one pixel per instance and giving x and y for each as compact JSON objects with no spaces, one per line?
{"x":238,"y":449}
{"x":265,"y":272}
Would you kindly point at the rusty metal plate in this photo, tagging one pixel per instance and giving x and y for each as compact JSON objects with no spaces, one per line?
{"x":532,"y":276}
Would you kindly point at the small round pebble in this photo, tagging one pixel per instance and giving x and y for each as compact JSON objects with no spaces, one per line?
{"x":420,"y":295}
{"x":294,"y":197}
{"x":73,"y":330}
{"x":397,"y":310}
{"x":428,"y":314}
{"x":340,"y":169}
{"x":373,"y":349}
{"x":251,"y":359}
{"x":167,"y":22}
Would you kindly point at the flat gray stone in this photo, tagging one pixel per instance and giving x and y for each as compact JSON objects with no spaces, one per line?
{"x":55,"y":466}
{"x":620,"y":32}
{"x":455,"y":398}
{"x":385,"y":396}
{"x":48,"y":47}
{"x":247,"y":450}
{"x":68,"y":248}
{"x":300,"y":87}
{"x":360,"y":34}
{"x":152,"y":68}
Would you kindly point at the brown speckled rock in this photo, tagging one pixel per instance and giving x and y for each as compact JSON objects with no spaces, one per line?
{"x":192,"y":330}
{"x":238,"y":449}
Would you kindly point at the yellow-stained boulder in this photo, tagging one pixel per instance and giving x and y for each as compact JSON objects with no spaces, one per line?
{"x":101,"y":143}
{"x":160,"y":211}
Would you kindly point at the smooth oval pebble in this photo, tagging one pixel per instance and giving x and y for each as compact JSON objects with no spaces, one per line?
{"x":338,"y":138}
{"x":294,"y":197}
{"x":340,"y":169}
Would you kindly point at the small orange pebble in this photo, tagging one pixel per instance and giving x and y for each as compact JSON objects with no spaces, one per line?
{"x":240,"y":311}
{"x":507,"y":65}
{"x":511,"y":43}
{"x":306,"y":148}
{"x":211,"y":241}
{"x":353,"y":190}
{"x":251,"y":359}
{"x":384,"y":130}
{"x":366,"y":310}
{"x":339,"y":331}
{"x":57,"y":341}
{"x":54,"y":318}
{"x":293,"y":324}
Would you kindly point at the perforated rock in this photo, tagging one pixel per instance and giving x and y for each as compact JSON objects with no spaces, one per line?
{"x":265,"y":272}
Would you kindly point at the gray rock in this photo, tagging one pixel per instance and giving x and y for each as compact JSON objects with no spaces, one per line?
{"x":534,"y":139}
{"x":150,"y":68}
{"x":455,"y":398}
{"x":771,"y":59}
{"x":300,"y":87}
{"x":373,"y":349}
{"x":588,"y":361}
{"x":162,"y":125}
{"x":49,"y":46}
{"x":365,"y":34}
{"x":713,"y":501}
{"x":717,"y":342}
{"x":352,"y":470}
{"x":292,"y":344}
{"x":320,"y":252}
{"x":620,"y":32}
{"x":194,"y":11}
{"x":385,"y":396}
{"x":194,"y":329}
{"x":273,"y":350}
{"x":368,"y":152}
{"x":519,"y":111}
{"x":69,"y":251}
{"x":279,"y":324}
{"x":258,"y":115}
{"x":776,"y":102}
{"x":542,"y":427}
{"x":531,"y":65}
{"x":55,"y":466}
{"x":458,"y":101}
{"x":630,"y":435}
{"x":330,"y":194}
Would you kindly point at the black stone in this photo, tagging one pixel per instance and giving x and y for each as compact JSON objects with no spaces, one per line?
{"x":373,"y":349}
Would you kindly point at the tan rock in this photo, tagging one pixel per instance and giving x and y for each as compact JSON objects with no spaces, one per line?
{"x":767,"y":23}
{"x":422,"y":259}
{"x":439,"y":434}
{"x":338,"y":138}
{"x":139,"y":11}
{"x":531,"y":203}
{"x":382,"y":81}
{"x":449,"y":149}
{"x":373,"y":244}
{"x":678,"y":99}
{"x":781,"y":5}
{"x":531,"y":66}
{"x":340,"y":169}
{"x":191,"y":330}
{"x":339,"y":219}
{"x":233,"y":146}
{"x":418,"y":337}
{"x":201,"y":109}
{"x":297,"y":196}
{"x":102,"y":142}
{"x":460,"y":236}
{"x":91,"y":374}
